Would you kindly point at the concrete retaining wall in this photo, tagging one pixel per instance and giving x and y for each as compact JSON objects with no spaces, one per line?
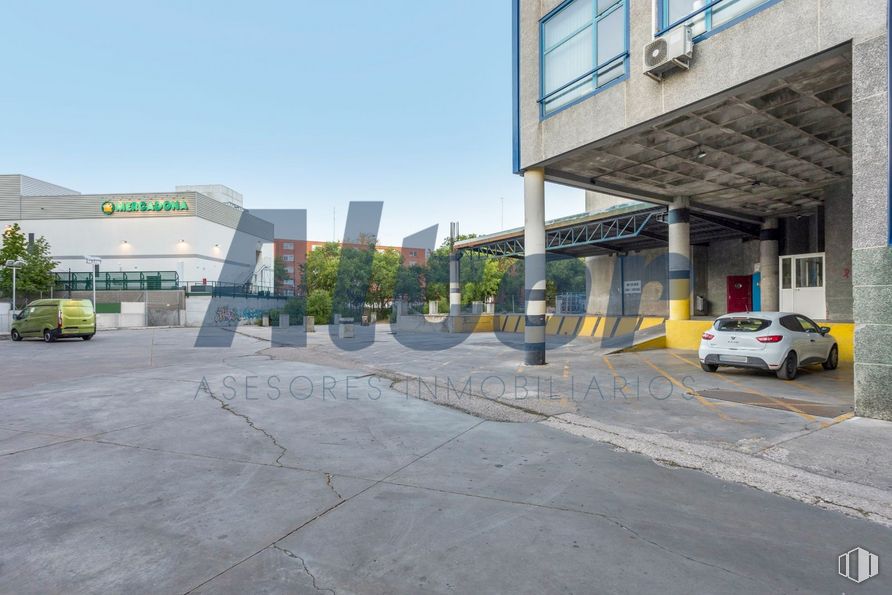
{"x":227,"y":311}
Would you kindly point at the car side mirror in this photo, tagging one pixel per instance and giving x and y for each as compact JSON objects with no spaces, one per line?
{"x":825,"y":330}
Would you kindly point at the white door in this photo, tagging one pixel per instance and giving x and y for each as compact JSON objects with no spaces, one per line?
{"x":802,"y":285}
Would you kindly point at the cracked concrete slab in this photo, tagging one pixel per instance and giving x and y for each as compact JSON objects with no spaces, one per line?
{"x":162,"y":489}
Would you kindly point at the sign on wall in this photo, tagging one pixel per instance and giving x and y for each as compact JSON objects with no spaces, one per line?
{"x":142,"y":206}
{"x":632,"y":287}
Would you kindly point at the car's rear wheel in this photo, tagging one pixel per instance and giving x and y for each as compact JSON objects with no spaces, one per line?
{"x":15,"y":335}
{"x":832,"y":359}
{"x":789,"y":368}
{"x":87,"y":337}
{"x":708,"y":367}
{"x":49,"y":336}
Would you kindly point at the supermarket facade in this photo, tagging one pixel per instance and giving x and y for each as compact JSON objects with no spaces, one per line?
{"x":201,"y":233}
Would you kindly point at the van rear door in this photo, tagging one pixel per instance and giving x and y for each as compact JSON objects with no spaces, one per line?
{"x":77,"y":316}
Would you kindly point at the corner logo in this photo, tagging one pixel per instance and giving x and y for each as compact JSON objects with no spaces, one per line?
{"x":108,"y":207}
{"x":858,"y":565}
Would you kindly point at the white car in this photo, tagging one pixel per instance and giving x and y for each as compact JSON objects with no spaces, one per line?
{"x":778,"y":341}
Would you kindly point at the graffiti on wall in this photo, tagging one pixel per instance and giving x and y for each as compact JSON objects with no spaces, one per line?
{"x":228,"y":315}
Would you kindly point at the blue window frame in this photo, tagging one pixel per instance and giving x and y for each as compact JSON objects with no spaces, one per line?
{"x":584,"y":47}
{"x":705,"y":16}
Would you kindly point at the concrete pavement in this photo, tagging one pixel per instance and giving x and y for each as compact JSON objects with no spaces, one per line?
{"x":137,"y":462}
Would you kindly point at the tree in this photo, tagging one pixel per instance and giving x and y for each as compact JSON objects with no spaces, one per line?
{"x":382,"y":284}
{"x":319,"y":306}
{"x":320,"y":271}
{"x":280,"y":271}
{"x":36,"y":275}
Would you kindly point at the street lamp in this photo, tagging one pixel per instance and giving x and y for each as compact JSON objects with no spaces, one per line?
{"x":95,"y":261}
{"x":14,"y":265}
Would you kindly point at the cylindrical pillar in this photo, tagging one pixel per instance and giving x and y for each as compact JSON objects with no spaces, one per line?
{"x":768,"y":266}
{"x":679,"y":260}
{"x":534,"y":265}
{"x":454,"y":276}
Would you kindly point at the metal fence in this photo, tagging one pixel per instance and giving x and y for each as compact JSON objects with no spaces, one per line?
{"x":116,"y":281}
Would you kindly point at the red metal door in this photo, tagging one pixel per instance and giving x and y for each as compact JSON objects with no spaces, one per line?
{"x":740,"y":293}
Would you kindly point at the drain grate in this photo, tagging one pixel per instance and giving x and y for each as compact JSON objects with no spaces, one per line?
{"x":784,"y":404}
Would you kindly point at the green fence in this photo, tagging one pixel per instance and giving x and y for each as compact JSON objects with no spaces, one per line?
{"x":116,"y":281}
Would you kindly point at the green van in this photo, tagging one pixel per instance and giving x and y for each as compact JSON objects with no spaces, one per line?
{"x":55,"y":319}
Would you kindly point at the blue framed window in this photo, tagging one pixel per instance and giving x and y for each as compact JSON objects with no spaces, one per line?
{"x":584,"y":46}
{"x":704,"y":16}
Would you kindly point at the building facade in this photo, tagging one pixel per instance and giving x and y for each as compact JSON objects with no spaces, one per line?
{"x":187,"y":232}
{"x":773,"y":116}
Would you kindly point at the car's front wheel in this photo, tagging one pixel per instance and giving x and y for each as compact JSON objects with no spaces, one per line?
{"x":708,"y":367}
{"x":832,"y":359}
{"x":49,"y":336}
{"x":789,"y":368}
{"x":15,"y":335}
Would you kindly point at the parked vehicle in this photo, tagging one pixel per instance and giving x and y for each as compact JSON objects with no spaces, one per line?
{"x":55,"y":319}
{"x":778,"y":341}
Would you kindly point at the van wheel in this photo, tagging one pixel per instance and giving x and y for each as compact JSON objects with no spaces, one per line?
{"x":832,"y":359}
{"x":49,"y":336}
{"x":87,"y":338}
{"x":789,"y":368}
{"x":708,"y":367}
{"x":15,"y":335}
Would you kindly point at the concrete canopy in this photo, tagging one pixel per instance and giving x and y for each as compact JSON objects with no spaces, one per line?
{"x":764,"y":149}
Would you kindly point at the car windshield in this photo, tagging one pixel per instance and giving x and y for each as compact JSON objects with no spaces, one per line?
{"x":741,"y":325}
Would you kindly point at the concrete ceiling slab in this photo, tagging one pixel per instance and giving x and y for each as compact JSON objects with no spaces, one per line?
{"x":765,"y":149}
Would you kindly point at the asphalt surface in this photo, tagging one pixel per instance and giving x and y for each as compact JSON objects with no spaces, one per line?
{"x":139,"y":463}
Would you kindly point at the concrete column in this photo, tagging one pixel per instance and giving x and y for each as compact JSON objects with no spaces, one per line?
{"x":534,"y":265}
{"x":454,"y":276}
{"x":768,"y":266}
{"x":679,"y":259}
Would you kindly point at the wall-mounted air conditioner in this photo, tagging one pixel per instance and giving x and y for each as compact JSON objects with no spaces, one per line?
{"x":672,"y":50}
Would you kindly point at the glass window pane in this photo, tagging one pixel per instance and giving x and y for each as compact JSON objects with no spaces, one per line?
{"x":605,"y":4}
{"x":725,"y":11}
{"x":569,"y":60}
{"x":567,"y":21}
{"x":786,"y":275}
{"x":680,"y":8}
{"x":574,"y":92}
{"x":614,"y":70}
{"x":611,"y":35}
{"x":810,"y":272}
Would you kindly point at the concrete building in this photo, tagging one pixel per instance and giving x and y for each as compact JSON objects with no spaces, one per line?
{"x":767,"y":119}
{"x":200,"y":233}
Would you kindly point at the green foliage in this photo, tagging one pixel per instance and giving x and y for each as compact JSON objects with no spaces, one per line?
{"x":36,"y":275}
{"x":320,"y":271}
{"x":354,"y":274}
{"x":382,"y":285}
{"x":409,"y":283}
{"x":295,"y":308}
{"x":319,"y":306}
{"x":280,"y":271}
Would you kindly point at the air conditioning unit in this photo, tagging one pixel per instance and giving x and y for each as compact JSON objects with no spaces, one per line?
{"x":672,"y":50}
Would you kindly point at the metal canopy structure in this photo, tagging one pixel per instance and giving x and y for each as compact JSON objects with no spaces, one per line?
{"x":615,"y":231}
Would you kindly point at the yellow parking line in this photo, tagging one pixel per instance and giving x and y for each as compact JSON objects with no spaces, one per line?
{"x":616,"y":375}
{"x":838,"y":419}
{"x":703,"y":401}
{"x":780,"y":402}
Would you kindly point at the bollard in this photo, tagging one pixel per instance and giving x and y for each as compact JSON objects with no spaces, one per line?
{"x":345,"y":328}
{"x":310,"y":322}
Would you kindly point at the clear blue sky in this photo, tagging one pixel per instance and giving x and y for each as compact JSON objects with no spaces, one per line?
{"x":295,"y":104}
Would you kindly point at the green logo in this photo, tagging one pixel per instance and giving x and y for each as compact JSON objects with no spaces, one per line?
{"x":108,"y":207}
